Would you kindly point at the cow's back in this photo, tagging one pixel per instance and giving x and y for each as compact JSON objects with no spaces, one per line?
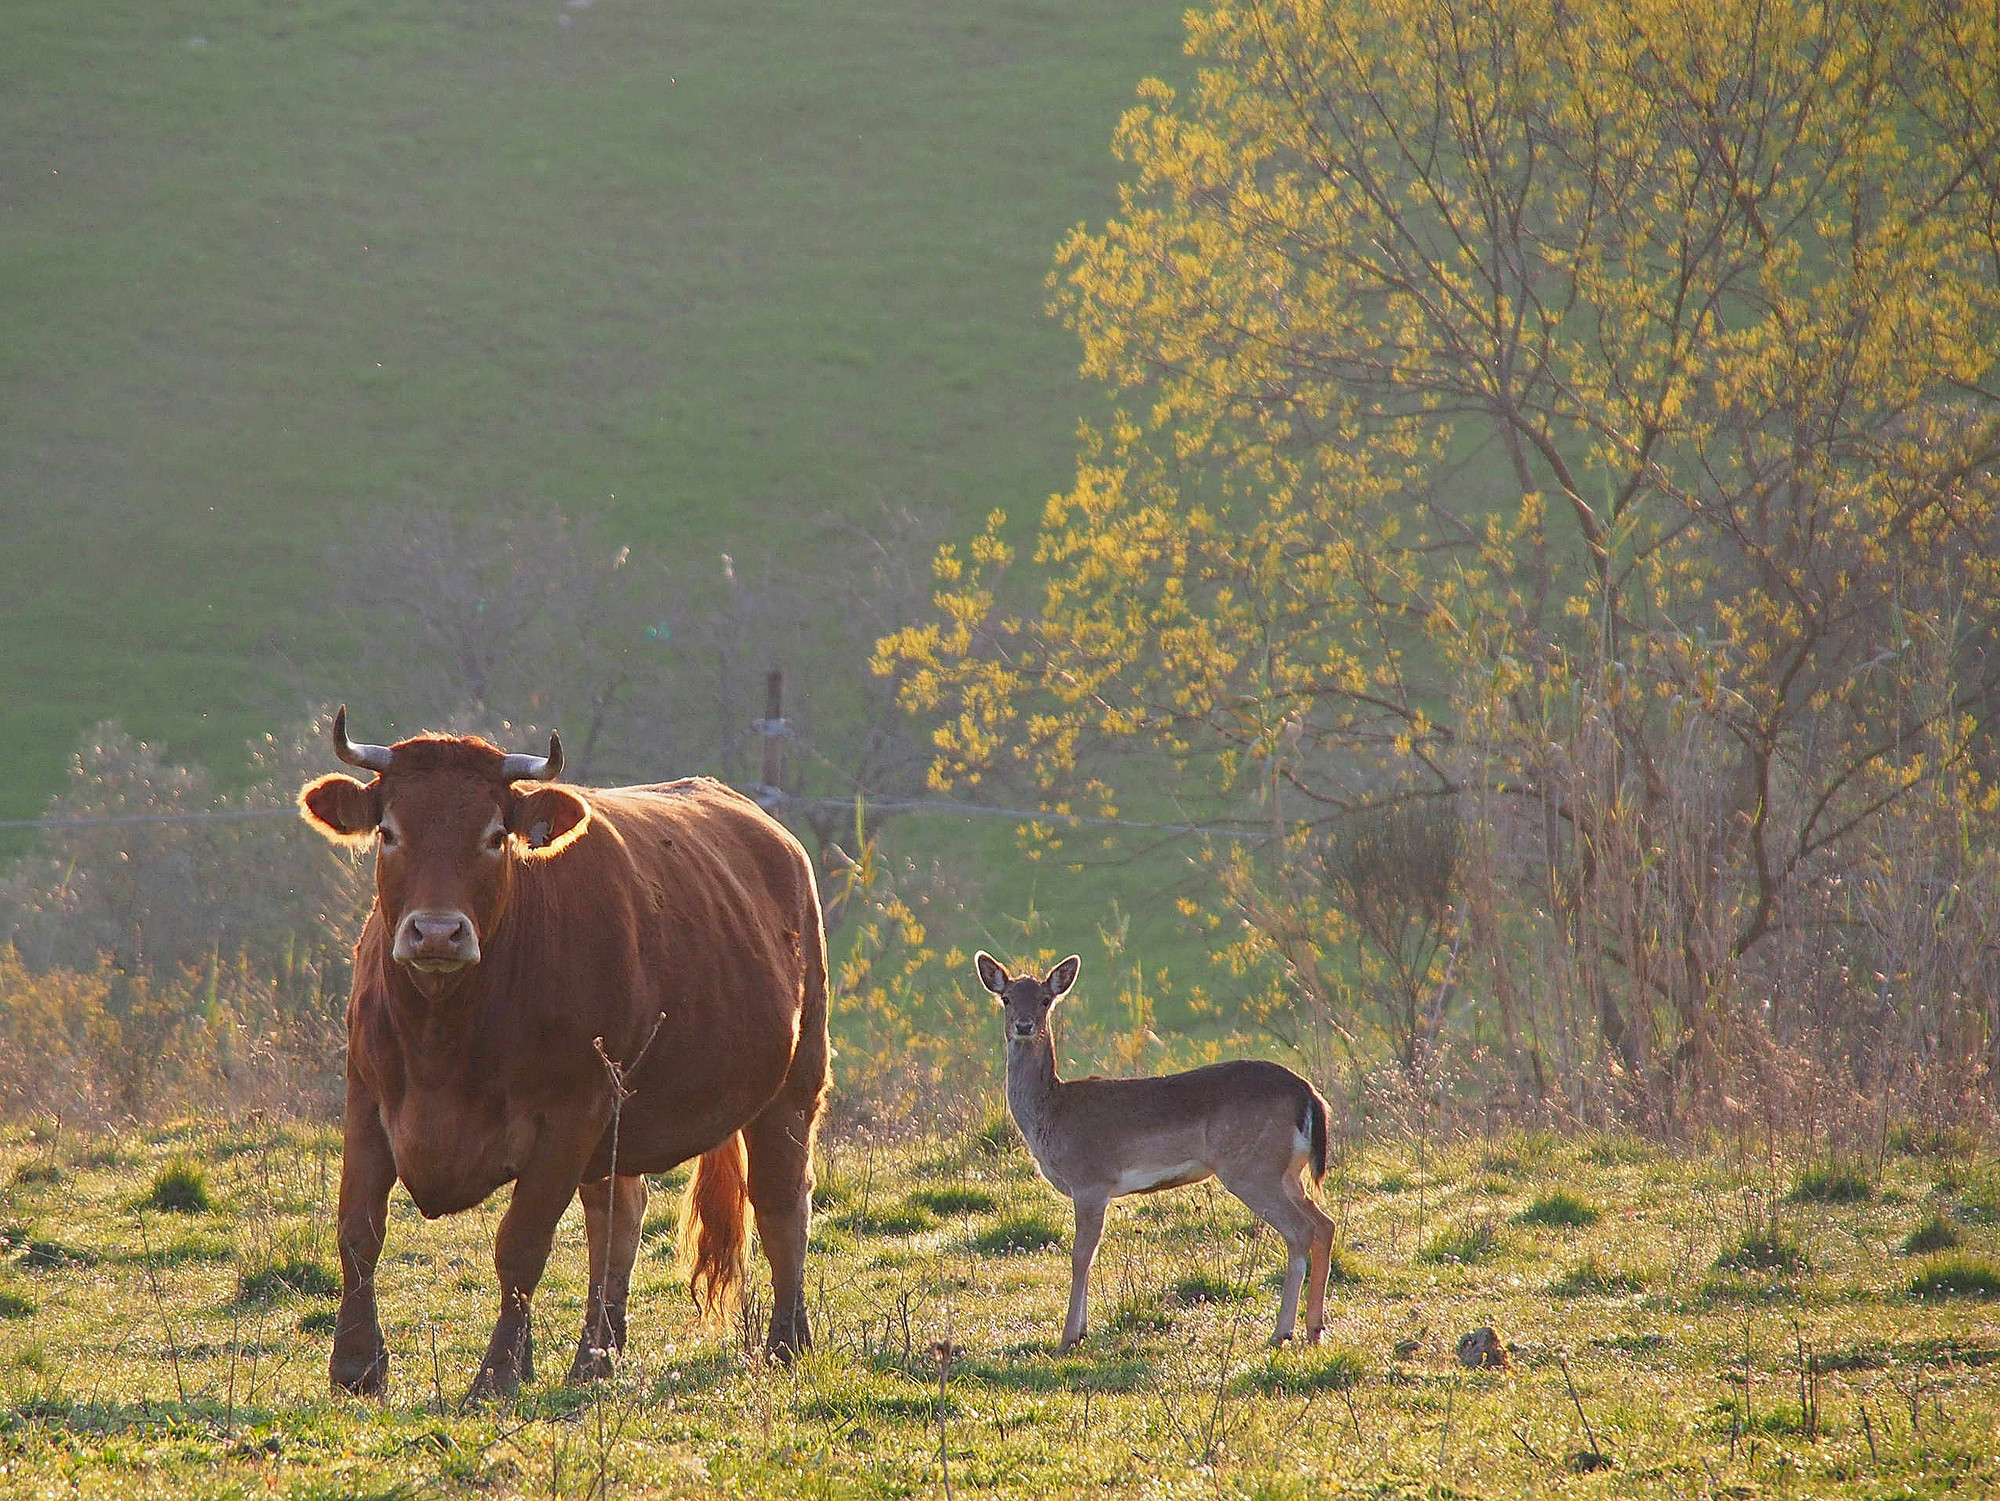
{"x":703,"y":909}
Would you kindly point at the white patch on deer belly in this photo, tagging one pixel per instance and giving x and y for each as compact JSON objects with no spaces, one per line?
{"x":1139,"y":1180}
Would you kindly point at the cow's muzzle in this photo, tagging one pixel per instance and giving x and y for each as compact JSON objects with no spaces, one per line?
{"x":437,"y":942}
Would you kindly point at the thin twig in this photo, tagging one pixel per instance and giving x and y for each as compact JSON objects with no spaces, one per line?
{"x":160,"y":1305}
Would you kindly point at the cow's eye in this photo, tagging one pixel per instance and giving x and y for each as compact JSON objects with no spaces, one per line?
{"x":388,"y":836}
{"x":496,"y":841}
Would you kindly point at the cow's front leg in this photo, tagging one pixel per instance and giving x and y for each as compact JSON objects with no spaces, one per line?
{"x":614,"y":1211}
{"x":520,"y":1252}
{"x":360,"y":1360}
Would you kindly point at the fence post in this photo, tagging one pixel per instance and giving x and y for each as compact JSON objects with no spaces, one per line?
{"x":770,"y":791}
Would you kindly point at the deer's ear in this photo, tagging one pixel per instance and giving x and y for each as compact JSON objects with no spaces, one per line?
{"x":1063,"y":975}
{"x":991,"y":972}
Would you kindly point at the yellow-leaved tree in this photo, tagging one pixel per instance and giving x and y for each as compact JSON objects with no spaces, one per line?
{"x":1573,"y":418}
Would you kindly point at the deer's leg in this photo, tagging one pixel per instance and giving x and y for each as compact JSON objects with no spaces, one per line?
{"x":1089,"y":1231}
{"x":1321,"y":1267}
{"x":614,"y":1211}
{"x":1285,"y":1213}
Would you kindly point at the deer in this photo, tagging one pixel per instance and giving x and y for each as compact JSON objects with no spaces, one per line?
{"x":1251,"y":1124}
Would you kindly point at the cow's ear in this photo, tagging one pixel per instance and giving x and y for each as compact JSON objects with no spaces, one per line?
{"x":549,"y":819}
{"x":344,"y":810}
{"x":991,"y":973}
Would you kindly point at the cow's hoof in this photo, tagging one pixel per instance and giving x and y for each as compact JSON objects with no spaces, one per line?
{"x":362,"y":1375}
{"x":788,"y":1338}
{"x":489,"y":1386}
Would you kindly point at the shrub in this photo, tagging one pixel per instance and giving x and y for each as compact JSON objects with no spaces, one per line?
{"x":276,"y":1279}
{"x":1958,"y":1276}
{"x":1589,"y":1278}
{"x":949,"y":1201}
{"x":1617,"y":1149}
{"x":1935,"y":1234}
{"x":1334,"y":1370}
{"x":181,"y":1187}
{"x":1017,"y":1234}
{"x":1206,"y":1287}
{"x":1833,"y":1182}
{"x":1559,"y":1208}
{"x":1468,"y":1241}
{"x":1772,"y":1251}
{"x":1143,"y":1314}
{"x":904,"y":1221}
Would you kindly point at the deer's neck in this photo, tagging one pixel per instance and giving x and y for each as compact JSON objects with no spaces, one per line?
{"x":1031,"y":1081}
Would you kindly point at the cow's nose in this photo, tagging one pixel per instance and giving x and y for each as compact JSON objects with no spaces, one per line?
{"x":436,"y":940}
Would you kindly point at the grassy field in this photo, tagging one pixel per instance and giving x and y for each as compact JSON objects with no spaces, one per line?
{"x":692,"y":272}
{"x":1665,"y":1341}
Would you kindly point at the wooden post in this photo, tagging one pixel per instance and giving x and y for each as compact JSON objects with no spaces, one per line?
{"x":775,"y":730}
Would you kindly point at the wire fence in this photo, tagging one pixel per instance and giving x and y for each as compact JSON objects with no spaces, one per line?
{"x":762,"y":795}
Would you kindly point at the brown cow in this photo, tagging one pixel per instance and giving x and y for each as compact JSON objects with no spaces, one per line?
{"x":517,"y":925}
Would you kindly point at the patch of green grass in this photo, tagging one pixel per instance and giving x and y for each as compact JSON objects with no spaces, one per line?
{"x":1466,"y":1243}
{"x":951,"y":1201}
{"x":857,"y":1417}
{"x":1561,"y":1208}
{"x":663,"y":1222}
{"x":1019,"y":1234}
{"x":14,"y":1306}
{"x":904,"y":1220}
{"x":184,"y":1250}
{"x":53,"y":1255}
{"x":39,"y":1175}
{"x":1771,"y":1251}
{"x":1957,"y":1276}
{"x":1916,"y":1139}
{"x":1833,"y":1182}
{"x":1520,"y":1152}
{"x":1301,"y":1373}
{"x":1933,"y":1234}
{"x":1206,"y":1287}
{"x":271,"y":1280}
{"x":996,"y":1135}
{"x":1592,"y":1278}
{"x":1142,"y":1313}
{"x":180,"y":1187}
{"x":1617,"y":1149}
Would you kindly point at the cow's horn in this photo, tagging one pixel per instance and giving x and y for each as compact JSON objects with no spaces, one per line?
{"x":535,"y":768}
{"x":374,"y":758}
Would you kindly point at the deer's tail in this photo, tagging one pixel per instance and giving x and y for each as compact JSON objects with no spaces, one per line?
{"x":1316,"y":1130}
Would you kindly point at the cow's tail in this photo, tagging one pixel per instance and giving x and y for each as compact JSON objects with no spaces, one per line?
{"x":715,"y":1231}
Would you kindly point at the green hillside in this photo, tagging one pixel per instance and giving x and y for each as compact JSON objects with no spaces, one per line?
{"x":688,"y":271}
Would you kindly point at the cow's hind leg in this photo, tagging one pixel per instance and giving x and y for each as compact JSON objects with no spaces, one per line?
{"x":780,"y":1143}
{"x":614,"y":1211}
